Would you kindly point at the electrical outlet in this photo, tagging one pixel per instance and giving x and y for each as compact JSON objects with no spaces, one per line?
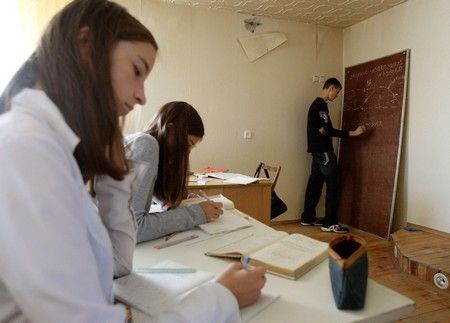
{"x":315,"y":78}
{"x":247,"y":134}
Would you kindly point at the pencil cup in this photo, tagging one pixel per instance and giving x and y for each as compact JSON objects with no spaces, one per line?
{"x":348,"y":271}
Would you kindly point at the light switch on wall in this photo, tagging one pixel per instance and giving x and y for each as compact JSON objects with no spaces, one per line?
{"x":247,"y":134}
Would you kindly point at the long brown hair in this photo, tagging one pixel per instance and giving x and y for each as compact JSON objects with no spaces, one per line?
{"x":173,"y":166}
{"x":81,"y":88}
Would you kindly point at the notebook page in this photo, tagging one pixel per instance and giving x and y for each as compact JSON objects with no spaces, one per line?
{"x":248,"y":312}
{"x":291,"y":252}
{"x":155,"y":292}
{"x":248,"y":244}
{"x":227,"y":203}
{"x":230,"y":220}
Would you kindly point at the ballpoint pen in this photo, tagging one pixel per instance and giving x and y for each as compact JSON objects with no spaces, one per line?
{"x":246,"y":263}
{"x":203,"y":194}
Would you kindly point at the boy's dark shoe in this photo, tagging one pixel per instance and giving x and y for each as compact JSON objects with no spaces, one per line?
{"x":318,"y":222}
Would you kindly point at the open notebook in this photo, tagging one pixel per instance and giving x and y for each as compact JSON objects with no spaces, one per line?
{"x":153,"y":293}
{"x":231,"y":219}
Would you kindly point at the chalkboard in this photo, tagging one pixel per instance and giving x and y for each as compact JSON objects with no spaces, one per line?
{"x":374,"y":96}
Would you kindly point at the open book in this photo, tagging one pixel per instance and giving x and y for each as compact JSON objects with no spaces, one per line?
{"x":286,"y":255}
{"x":230,"y":220}
{"x":165,"y":285}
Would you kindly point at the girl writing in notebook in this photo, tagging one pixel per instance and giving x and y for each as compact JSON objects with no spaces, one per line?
{"x":60,"y":127}
{"x":165,"y":147}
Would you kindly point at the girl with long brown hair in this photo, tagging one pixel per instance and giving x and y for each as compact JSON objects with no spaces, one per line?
{"x":61,"y":128}
{"x":174,"y":131}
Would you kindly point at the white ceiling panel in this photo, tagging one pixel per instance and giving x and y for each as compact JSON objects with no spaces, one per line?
{"x":333,"y":13}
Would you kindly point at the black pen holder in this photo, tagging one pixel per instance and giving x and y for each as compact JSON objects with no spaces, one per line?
{"x":348,"y":266}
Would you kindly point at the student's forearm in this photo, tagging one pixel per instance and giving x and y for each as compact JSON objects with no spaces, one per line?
{"x":155,"y":225}
{"x":332,"y":132}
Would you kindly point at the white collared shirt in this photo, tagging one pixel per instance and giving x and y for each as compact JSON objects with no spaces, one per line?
{"x":56,"y":262}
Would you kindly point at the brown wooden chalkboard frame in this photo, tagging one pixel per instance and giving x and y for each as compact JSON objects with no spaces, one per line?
{"x":361,"y":206}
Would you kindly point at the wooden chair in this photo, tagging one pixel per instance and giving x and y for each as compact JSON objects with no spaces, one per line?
{"x":268,"y":171}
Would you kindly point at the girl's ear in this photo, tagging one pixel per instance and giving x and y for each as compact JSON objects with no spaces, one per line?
{"x":84,"y":43}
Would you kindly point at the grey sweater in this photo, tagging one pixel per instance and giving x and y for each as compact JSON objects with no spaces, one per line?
{"x":124,"y":205}
{"x":142,"y":147}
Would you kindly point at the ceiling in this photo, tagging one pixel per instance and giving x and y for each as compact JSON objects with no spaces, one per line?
{"x":333,"y":13}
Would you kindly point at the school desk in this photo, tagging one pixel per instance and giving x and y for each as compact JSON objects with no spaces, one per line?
{"x":252,"y":199}
{"x":308,"y":299}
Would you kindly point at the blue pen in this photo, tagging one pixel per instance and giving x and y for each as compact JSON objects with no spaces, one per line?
{"x":246,"y":263}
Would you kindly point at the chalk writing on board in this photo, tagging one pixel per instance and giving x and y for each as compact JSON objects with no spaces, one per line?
{"x":374,"y":97}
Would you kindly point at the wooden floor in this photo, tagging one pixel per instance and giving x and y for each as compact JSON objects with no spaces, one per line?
{"x":432,"y":304}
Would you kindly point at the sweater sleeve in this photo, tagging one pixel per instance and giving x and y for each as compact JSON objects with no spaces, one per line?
{"x":155,"y":225}
{"x":116,"y":202}
{"x":325,"y":122}
{"x":113,"y":201}
{"x":144,"y":148}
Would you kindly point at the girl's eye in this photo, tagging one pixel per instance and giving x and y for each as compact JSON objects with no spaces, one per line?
{"x":136,"y":71}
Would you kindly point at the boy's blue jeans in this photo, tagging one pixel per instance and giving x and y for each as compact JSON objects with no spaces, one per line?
{"x":324,"y":168}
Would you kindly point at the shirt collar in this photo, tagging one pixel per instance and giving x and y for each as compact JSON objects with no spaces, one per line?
{"x":37,"y":103}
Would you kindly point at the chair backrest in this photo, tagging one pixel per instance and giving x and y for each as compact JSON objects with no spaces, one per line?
{"x":268,"y":171}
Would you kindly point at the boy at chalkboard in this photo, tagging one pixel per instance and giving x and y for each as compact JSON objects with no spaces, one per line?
{"x":324,"y":162}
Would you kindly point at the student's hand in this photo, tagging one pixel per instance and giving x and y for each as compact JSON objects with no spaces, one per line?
{"x":322,"y":131}
{"x":212,"y":210}
{"x":245,"y":285}
{"x":358,"y":131}
{"x":192,"y":196}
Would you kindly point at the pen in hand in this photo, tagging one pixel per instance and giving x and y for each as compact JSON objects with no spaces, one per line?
{"x":203,"y":194}
{"x":212,"y":209}
{"x":246,"y":263}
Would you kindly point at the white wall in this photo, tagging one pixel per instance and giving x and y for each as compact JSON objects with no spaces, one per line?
{"x":21,"y":25}
{"x":200,"y":61}
{"x":422,"y":26}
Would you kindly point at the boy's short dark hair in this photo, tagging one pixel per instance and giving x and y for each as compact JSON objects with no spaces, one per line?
{"x":332,"y":81}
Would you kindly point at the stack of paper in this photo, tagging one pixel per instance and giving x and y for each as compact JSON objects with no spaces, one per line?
{"x":233,"y":178}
